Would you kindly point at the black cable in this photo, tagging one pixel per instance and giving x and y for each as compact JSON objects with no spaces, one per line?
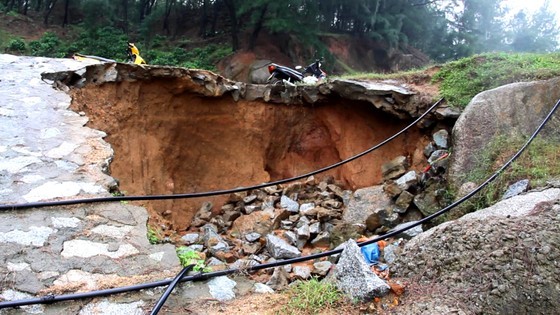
{"x":204,"y":276}
{"x":215,"y":192}
{"x":170,"y":288}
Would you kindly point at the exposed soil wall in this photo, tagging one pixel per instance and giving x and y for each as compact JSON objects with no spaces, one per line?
{"x":169,"y":143}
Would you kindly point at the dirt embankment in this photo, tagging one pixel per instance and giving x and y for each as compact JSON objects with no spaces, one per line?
{"x":169,"y":143}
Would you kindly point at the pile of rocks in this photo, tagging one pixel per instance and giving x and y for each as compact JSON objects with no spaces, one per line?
{"x":272,"y":223}
{"x":413,"y":191}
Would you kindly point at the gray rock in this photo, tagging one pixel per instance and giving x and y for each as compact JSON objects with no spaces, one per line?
{"x":303,"y":232}
{"x":250,"y":209}
{"x":441,"y":139}
{"x":391,"y":188}
{"x":429,"y":149}
{"x":322,"y":239}
{"x":516,"y":189}
{"x":252,"y":237}
{"x":322,"y":268}
{"x":363,"y":203}
{"x":190,"y":238}
{"x":303,"y":220}
{"x":354,"y":277}
{"x":279,"y":249}
{"x":403,"y":202}
{"x":279,"y":279}
{"x":213,"y":261}
{"x":249,"y":199}
{"x":408,"y":234}
{"x":302,"y":272}
{"x":221,"y":288}
{"x":513,"y":109}
{"x":205,"y":211}
{"x":291,"y":237}
{"x":407,"y":180}
{"x":262,"y":288}
{"x":289,"y":204}
{"x":390,"y":252}
{"x":196,"y":247}
{"x":306,"y":208}
{"x":315,"y":228}
{"x":382,"y":217}
{"x":286,"y":224}
{"x":331,"y":203}
{"x":394,"y":168}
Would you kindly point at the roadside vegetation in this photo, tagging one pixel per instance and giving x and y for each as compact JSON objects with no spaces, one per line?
{"x":312,"y":297}
{"x":111,"y":43}
{"x":538,"y":163}
{"x":459,"y":81}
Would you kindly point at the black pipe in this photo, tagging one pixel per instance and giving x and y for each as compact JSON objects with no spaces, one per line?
{"x":204,"y":276}
{"x":170,"y":288}
{"x":216,"y":192}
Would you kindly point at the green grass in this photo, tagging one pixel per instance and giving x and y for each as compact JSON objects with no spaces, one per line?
{"x":312,"y":297}
{"x":382,"y":76}
{"x":154,"y":236}
{"x":538,"y":163}
{"x":189,"y":256}
{"x":461,"y":80}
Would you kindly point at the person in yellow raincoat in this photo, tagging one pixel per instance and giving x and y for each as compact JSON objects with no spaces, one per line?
{"x":134,"y":54}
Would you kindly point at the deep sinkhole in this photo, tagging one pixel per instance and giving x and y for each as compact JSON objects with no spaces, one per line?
{"x":169,"y":143}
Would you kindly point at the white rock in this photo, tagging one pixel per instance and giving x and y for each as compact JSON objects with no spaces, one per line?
{"x":36,"y":236}
{"x":85,"y":249}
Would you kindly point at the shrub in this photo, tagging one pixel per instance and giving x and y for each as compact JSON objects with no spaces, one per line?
{"x":49,"y":45}
{"x":16,"y":45}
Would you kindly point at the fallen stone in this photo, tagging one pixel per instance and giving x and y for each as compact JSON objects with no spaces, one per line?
{"x":252,"y":237}
{"x":408,"y":180}
{"x":279,"y":279}
{"x":190,"y":238}
{"x":279,"y":249}
{"x":354,"y":277}
{"x":441,"y":139}
{"x":262,"y":288}
{"x":363,"y":203}
{"x":221,"y":288}
{"x":302,"y":272}
{"x":289,"y":204}
{"x":516,"y":189}
{"x":322,"y":268}
{"x":395,"y":168}
{"x":408,"y":234}
{"x":403,"y":202}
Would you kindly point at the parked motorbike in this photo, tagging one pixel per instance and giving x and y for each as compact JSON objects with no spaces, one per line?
{"x":310,"y":75}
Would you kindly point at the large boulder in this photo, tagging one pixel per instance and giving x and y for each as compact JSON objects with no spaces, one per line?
{"x":514,"y":109}
{"x":365,"y":202}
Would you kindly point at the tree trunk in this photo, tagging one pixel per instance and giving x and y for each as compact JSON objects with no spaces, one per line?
{"x":257,"y":29}
{"x":25,"y":6}
{"x":168,"y":6}
{"x":216,"y":15}
{"x":10,"y":5}
{"x":125,"y":15}
{"x":234,"y":27}
{"x":38,"y":5}
{"x":49,"y":6}
{"x":66,"y":5}
{"x":203,"y":19}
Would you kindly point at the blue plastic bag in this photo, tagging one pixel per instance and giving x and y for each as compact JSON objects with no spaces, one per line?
{"x":371,"y":253}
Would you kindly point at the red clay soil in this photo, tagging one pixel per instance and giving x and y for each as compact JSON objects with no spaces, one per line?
{"x":168,"y":143}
